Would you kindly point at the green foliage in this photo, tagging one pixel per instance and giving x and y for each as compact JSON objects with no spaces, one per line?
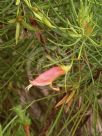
{"x":23,"y":119}
{"x":1,"y":131}
{"x":37,"y":35}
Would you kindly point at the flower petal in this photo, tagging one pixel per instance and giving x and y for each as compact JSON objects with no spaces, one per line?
{"x":47,"y":77}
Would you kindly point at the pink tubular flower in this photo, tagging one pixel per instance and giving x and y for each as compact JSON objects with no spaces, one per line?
{"x":47,"y":77}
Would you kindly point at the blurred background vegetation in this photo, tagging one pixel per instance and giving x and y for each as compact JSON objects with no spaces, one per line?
{"x":36,"y":35}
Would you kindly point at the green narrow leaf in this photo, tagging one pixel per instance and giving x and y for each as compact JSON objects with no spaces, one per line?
{"x":47,"y":22}
{"x":17,"y":32}
{"x":1,"y":131}
{"x":55,"y":122}
{"x":12,"y":21}
{"x":17,"y":2}
{"x":27,"y":26}
{"x":28,"y":3}
{"x":73,"y":8}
